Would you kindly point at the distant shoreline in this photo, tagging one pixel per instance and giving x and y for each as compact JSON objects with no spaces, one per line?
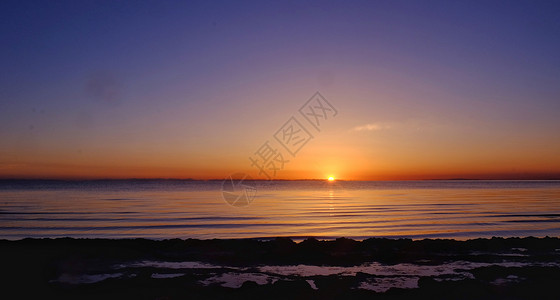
{"x":259,"y":180}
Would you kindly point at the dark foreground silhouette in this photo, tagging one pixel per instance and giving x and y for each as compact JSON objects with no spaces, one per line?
{"x":497,"y":268}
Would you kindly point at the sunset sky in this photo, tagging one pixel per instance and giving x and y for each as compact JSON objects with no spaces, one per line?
{"x":185,"y":89}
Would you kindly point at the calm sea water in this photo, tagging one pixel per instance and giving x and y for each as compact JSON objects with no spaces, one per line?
{"x":297,"y":209}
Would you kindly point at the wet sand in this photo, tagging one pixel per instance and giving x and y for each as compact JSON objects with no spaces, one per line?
{"x":497,"y":268}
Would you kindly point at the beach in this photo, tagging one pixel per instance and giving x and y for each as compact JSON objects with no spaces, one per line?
{"x":496,"y":268}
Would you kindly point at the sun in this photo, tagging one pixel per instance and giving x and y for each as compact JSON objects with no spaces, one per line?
{"x":330,"y":178}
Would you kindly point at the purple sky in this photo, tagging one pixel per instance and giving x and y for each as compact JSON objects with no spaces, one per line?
{"x":191,"y":89}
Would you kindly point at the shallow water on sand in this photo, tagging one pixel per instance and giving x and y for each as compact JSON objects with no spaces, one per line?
{"x":195,"y":209}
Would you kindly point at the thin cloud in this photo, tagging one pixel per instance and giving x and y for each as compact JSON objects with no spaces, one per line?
{"x":371,"y":127}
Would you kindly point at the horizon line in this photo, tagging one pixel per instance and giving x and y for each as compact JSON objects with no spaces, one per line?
{"x":279,"y":179}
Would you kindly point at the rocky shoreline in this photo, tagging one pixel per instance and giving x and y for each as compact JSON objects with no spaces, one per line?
{"x":377,"y":268}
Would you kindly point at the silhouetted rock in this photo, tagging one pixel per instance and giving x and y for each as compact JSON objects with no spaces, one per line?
{"x":115,"y":269}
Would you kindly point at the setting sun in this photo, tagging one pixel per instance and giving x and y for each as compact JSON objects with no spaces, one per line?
{"x":301,"y":149}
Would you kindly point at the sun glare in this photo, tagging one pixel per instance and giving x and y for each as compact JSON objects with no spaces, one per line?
{"x":331,"y":178}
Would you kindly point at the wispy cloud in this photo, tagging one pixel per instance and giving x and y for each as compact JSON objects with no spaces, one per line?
{"x":371,"y":127}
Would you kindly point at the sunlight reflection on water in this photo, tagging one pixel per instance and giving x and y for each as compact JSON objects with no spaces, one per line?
{"x":190,"y":209}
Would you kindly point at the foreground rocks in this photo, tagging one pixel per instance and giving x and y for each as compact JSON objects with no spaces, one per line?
{"x":497,"y":268}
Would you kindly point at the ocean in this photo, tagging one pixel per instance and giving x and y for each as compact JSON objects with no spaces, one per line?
{"x":164,"y":209}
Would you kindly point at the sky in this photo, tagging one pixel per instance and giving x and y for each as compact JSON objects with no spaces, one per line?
{"x":194,"y":89}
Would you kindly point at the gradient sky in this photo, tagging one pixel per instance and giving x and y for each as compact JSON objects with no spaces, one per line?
{"x":184,"y":89}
